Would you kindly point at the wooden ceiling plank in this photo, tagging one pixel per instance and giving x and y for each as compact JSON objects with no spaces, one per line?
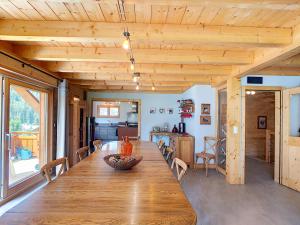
{"x":143,"y":13}
{"x":43,"y":9}
{"x":60,"y":10}
{"x":5,"y":15}
{"x":27,"y":9}
{"x":159,"y":14}
{"x":216,"y":57}
{"x":110,"y":11}
{"x":93,"y":11}
{"x":14,"y":30}
{"x":176,"y":69}
{"x":191,"y":15}
{"x":77,"y":11}
{"x":175,"y":14}
{"x":280,"y":71}
{"x":13,"y":10}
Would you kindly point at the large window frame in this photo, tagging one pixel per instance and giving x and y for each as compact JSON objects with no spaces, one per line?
{"x":10,"y":191}
{"x":108,"y":109}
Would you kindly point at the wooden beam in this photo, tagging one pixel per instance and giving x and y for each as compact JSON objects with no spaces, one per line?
{"x":245,"y":4}
{"x":28,"y":98}
{"x":280,"y":71}
{"x":269,"y":57}
{"x":220,"y":57}
{"x":123,"y":68}
{"x":144,"y":77}
{"x":290,"y":62}
{"x":14,"y":30}
{"x":124,"y":88}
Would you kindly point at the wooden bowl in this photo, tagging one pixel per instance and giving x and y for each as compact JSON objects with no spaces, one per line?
{"x":122,"y":162}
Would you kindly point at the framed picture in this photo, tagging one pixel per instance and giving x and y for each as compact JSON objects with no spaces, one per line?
{"x":205,"y":120}
{"x":205,"y":109}
{"x":162,"y":110}
{"x":170,"y":111}
{"x":152,"y":110}
{"x":261,"y":122}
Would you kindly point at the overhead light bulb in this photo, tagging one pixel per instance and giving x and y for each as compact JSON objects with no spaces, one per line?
{"x":153,"y":88}
{"x":137,"y":87}
{"x":134,"y":79}
{"x":248,"y":92}
{"x":132,"y":66}
{"x":252,"y":92}
{"x":125,"y":44}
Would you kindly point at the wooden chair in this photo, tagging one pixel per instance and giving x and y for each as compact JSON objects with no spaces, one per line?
{"x":168,"y":152}
{"x":181,"y":168}
{"x":161,"y":145}
{"x":47,"y":169}
{"x":83,"y":152}
{"x":97,"y":144}
{"x":210,"y":144}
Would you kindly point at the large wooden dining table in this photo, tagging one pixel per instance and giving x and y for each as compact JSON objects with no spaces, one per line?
{"x":92,"y":192}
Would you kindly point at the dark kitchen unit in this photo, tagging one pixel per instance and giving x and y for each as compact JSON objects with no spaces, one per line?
{"x":106,"y":132}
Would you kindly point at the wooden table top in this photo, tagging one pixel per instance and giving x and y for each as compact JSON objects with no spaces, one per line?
{"x":91,"y":192}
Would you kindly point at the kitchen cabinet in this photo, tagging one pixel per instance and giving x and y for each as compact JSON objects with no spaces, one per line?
{"x":127,"y":131}
{"x":106,"y":132}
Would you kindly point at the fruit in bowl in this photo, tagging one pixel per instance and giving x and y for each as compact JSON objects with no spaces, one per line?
{"x":122,"y":162}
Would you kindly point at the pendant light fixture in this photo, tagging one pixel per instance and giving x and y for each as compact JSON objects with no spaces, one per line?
{"x":126,"y":42}
{"x":132,"y":63}
{"x":137,"y":87}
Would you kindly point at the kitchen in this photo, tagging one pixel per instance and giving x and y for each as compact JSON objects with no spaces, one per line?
{"x":113,"y":119}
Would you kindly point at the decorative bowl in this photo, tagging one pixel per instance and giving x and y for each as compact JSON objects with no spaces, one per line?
{"x":121,"y":162}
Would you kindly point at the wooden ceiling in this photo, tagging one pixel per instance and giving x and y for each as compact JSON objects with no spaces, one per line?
{"x":176,"y":44}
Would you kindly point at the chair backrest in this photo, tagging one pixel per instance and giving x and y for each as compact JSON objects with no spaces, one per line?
{"x":181,"y":167}
{"x":47,"y":169}
{"x":161,"y":144}
{"x":83,"y":152}
{"x":97,"y":144}
{"x":211,"y":143}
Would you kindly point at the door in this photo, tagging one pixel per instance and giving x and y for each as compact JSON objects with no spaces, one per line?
{"x":291,"y":139}
{"x":25,"y":119}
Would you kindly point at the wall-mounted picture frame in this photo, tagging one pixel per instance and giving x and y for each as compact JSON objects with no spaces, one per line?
{"x":162,"y":110}
{"x":152,"y":110}
{"x":262,"y":122}
{"x":205,"y":109}
{"x":205,"y":120}
{"x":170,"y":111}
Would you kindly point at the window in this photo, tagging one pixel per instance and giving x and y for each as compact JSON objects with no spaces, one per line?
{"x":108,"y":111}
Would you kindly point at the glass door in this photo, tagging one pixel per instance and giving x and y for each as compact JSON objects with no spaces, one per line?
{"x":25,"y":134}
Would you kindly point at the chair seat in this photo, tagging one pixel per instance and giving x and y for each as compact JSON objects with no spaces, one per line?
{"x":205,"y":155}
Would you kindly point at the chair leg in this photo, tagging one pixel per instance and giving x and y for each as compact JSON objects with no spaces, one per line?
{"x":206,"y":166}
{"x":216,"y":165}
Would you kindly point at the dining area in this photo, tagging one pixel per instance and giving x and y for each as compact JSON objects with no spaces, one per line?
{"x":92,"y":192}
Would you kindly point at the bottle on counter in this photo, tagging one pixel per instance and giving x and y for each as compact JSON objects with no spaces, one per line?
{"x":174,"y":130}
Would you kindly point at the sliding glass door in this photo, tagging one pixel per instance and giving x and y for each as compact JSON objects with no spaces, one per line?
{"x":25,"y":134}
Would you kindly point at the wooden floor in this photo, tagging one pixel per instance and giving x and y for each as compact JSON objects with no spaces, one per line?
{"x":261,"y":201}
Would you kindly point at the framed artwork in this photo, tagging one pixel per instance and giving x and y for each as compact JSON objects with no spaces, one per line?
{"x":162,"y":110}
{"x":170,"y":111}
{"x":205,"y":120}
{"x":261,"y":122}
{"x":205,"y":109}
{"x":152,"y":110}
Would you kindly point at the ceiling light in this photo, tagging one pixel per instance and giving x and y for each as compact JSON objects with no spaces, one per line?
{"x":126,"y":44}
{"x":252,"y":92}
{"x":137,"y":87}
{"x":136,"y":77}
{"x":132,"y":63}
{"x":153,"y":88}
{"x":248,"y":92}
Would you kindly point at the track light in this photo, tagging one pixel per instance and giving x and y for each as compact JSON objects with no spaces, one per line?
{"x":132,"y":63}
{"x":126,"y":44}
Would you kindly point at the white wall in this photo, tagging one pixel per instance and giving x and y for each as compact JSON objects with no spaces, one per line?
{"x":201,"y":94}
{"x":147,"y":101}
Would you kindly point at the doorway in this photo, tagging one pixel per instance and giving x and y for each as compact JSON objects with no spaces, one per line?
{"x":262,"y":119}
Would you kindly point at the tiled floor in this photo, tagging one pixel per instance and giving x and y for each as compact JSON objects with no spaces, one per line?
{"x":260,"y":201}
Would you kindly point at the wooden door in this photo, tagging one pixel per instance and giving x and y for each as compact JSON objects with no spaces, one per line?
{"x":291,"y":139}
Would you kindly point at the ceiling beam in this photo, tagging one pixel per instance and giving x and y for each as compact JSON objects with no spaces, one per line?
{"x":280,"y":71}
{"x":133,"y":88}
{"x":144,"y":77}
{"x":245,"y":4}
{"x":123,"y":68}
{"x":290,"y":62}
{"x":216,"y":57}
{"x":269,"y":57}
{"x":15,"y":30}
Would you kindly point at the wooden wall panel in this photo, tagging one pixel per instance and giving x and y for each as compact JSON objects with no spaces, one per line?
{"x":260,"y":104}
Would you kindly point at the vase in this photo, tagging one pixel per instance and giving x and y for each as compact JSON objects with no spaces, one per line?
{"x":126,"y":147}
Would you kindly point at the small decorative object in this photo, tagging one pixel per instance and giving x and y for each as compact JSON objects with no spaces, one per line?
{"x":121,"y":162}
{"x":156,"y":129}
{"x":175,"y":129}
{"x":261,"y":122}
{"x":170,"y":111}
{"x":186,"y":108}
{"x":126,"y":147}
{"x":205,"y":109}
{"x":161,"y":110}
{"x":152,"y":110}
{"x":205,"y":120}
